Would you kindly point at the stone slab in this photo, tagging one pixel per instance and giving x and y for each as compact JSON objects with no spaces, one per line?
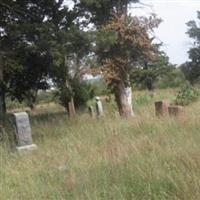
{"x":23,"y":129}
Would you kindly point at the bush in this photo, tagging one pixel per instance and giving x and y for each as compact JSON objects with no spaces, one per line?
{"x":186,"y":95}
{"x":82,"y":92}
{"x":46,"y":96}
{"x":174,"y":78}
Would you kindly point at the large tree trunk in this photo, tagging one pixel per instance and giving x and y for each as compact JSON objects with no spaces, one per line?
{"x":2,"y":92}
{"x":123,"y":100}
{"x":129,"y":98}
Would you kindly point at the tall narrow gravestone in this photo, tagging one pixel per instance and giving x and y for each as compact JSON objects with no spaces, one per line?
{"x":99,"y":107}
{"x":161,"y":108}
{"x":23,"y":131}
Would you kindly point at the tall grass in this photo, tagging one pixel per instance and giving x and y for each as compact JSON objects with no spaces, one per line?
{"x":110,"y":158}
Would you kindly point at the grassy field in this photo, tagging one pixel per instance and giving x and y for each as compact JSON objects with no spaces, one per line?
{"x":111,"y":158}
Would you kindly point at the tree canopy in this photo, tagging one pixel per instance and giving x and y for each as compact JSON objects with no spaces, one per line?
{"x":191,"y":69}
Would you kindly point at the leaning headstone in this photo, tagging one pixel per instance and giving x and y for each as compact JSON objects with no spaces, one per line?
{"x":99,"y":107}
{"x":23,"y":132}
{"x":176,"y":110}
{"x":91,"y":111}
{"x":161,"y":108}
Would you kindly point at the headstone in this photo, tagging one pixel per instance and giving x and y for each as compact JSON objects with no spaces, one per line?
{"x":23,"y":131}
{"x":91,"y":111}
{"x":129,"y":98}
{"x":99,"y":107}
{"x":176,"y":110}
{"x":161,"y":108}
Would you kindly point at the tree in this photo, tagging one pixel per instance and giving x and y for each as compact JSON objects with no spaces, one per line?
{"x":127,"y":43}
{"x":100,"y":11}
{"x":5,"y":18}
{"x":121,"y":42}
{"x":69,"y":56}
{"x":28,"y":36}
{"x":148,"y":72}
{"x":191,"y":69}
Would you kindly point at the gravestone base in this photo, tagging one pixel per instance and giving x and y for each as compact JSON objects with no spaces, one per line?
{"x":27,"y":147}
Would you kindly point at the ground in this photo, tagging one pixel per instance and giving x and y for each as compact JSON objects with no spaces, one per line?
{"x":110,"y":158}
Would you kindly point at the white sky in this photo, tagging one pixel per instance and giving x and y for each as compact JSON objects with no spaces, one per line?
{"x":172,"y":31}
{"x":175,"y":15}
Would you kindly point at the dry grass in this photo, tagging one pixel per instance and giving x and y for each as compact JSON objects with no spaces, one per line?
{"x":110,"y":158}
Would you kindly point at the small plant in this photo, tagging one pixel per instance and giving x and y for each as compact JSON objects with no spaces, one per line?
{"x":186,"y":95}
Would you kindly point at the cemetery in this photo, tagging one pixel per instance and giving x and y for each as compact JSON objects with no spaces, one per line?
{"x":70,"y":158}
{"x":94,"y":105}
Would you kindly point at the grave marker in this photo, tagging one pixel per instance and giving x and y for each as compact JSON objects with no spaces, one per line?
{"x":161,"y":108}
{"x":23,"y":131}
{"x":176,"y":110}
{"x":99,"y":107}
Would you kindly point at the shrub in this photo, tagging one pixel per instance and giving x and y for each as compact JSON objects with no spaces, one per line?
{"x":174,"y":78}
{"x":186,"y":95}
{"x":82,"y":92}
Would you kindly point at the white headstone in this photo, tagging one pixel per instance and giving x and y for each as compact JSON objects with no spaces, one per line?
{"x":99,"y":107}
{"x":23,"y":131}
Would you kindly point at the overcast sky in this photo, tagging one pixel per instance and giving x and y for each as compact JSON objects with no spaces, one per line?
{"x":175,"y":15}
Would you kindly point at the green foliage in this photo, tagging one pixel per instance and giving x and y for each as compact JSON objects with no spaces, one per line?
{"x":149,"y":72}
{"x":82,"y":92}
{"x":14,"y":104}
{"x":186,"y":95}
{"x":143,"y":99}
{"x":191,"y":69}
{"x":173,"y":79}
{"x":46,"y":96}
{"x":100,"y":11}
{"x":101,"y":87}
{"x":29,"y":36}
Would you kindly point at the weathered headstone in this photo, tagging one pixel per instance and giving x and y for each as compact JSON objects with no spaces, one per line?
{"x":161,"y":108}
{"x":176,"y":110}
{"x":91,"y":111}
{"x":23,"y":131}
{"x":99,"y":107}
